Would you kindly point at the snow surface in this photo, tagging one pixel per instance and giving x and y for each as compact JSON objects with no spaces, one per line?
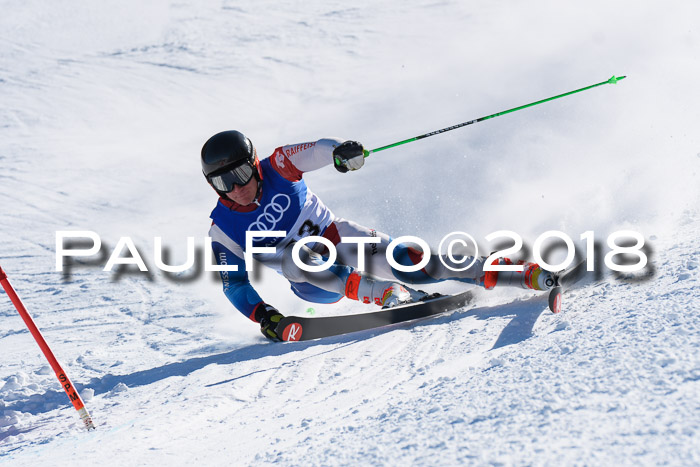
{"x":105,"y":106}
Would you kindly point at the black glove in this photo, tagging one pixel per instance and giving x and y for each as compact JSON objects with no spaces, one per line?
{"x":268,"y":317}
{"x":349,"y":155}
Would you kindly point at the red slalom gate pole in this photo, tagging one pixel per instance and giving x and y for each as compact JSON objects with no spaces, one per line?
{"x":60,"y":374}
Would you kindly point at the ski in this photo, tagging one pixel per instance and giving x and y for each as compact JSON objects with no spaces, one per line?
{"x":296,"y":328}
{"x":564,"y":281}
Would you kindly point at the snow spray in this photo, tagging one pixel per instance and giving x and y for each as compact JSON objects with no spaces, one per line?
{"x":60,"y":374}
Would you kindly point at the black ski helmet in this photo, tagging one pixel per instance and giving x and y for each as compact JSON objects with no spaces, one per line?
{"x":226,"y":150}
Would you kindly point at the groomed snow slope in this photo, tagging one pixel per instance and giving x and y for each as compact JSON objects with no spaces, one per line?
{"x":104,"y":108}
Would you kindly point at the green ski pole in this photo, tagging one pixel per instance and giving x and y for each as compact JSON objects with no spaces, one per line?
{"x":612,"y":80}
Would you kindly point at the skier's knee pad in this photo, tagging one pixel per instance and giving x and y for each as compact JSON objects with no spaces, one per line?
{"x":291,"y":271}
{"x":332,"y":278}
{"x":409,"y":256}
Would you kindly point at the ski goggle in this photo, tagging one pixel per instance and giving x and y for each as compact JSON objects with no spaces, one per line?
{"x":239,"y":175}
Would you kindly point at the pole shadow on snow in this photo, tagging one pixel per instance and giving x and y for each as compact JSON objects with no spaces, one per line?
{"x":524,"y":314}
{"x":50,"y":400}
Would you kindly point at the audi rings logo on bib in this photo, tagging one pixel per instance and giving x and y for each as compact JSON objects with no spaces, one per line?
{"x":272,"y":213}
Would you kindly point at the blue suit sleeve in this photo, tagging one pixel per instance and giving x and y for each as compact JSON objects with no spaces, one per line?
{"x":237,"y":287}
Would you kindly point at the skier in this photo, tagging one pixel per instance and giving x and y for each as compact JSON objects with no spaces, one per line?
{"x":271,"y":195}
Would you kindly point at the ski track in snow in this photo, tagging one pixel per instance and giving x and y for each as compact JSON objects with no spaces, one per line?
{"x":104,"y":111}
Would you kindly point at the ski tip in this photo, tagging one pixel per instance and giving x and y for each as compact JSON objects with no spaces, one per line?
{"x":555,"y":299}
